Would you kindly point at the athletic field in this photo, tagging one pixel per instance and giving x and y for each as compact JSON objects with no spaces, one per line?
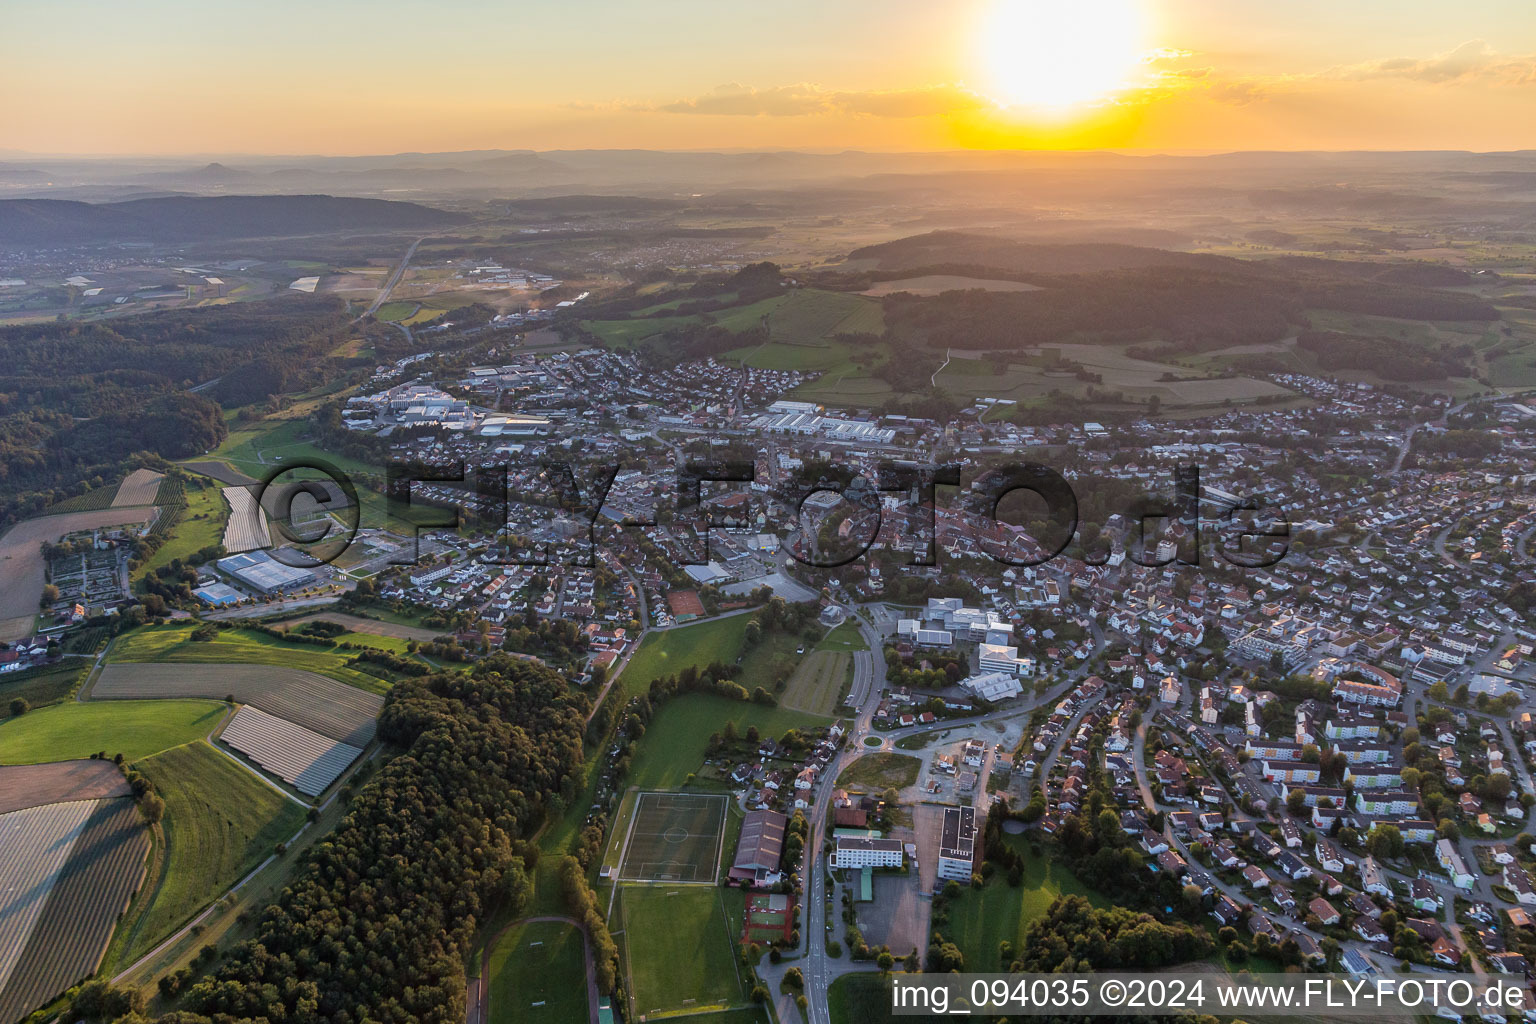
{"x":674,"y":837}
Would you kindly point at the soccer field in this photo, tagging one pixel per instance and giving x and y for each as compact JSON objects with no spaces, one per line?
{"x":679,"y":950}
{"x":674,"y":837}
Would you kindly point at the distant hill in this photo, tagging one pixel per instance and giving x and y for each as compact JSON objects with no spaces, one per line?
{"x":957,"y":248}
{"x":197,"y":218}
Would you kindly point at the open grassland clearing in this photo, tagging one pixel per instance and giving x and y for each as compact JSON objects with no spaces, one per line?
{"x":981,"y":919}
{"x":33,"y":785}
{"x":817,"y":682}
{"x":376,"y":627}
{"x":668,"y":651}
{"x":677,"y":738}
{"x":104,"y":867}
{"x":843,"y":638}
{"x":323,"y":705}
{"x":394,"y":312}
{"x":174,"y":643}
{"x":1511,"y":360}
{"x":875,"y":773}
{"x":135,"y":729}
{"x":21,"y":560}
{"x":538,"y":973}
{"x":220,"y":822}
{"x":679,"y":950}
{"x":301,"y":757}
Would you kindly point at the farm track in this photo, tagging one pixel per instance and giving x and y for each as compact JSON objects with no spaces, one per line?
{"x":323,"y":705}
{"x":222,"y":472}
{"x":104,"y":866}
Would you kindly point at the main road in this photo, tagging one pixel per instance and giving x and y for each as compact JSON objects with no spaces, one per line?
{"x":394,"y":279}
{"x":819,"y":969}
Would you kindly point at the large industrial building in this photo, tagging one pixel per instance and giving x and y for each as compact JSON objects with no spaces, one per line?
{"x":264,"y":574}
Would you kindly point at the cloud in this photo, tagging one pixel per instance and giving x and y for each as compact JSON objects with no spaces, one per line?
{"x":806,"y":99}
{"x":1472,"y":60}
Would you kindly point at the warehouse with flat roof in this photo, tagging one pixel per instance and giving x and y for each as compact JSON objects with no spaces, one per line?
{"x":263,"y":573}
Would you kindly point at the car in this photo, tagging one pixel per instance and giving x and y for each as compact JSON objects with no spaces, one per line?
{"x":800,"y":649}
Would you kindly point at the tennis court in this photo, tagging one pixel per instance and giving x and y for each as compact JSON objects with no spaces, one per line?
{"x":674,"y":837}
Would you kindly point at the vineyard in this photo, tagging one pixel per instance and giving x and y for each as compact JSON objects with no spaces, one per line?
{"x":83,"y":859}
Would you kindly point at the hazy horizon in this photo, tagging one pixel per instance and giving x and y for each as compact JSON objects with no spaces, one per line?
{"x":1134,"y":75}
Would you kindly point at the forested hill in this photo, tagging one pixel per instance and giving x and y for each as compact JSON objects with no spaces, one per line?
{"x":76,"y":399}
{"x":207,"y":218}
{"x":964,"y":249}
{"x":377,"y":924}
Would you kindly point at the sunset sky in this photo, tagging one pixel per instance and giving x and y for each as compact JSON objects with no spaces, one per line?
{"x":347,"y":77}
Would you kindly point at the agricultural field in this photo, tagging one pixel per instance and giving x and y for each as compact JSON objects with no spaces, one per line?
{"x":301,"y":757}
{"x":37,"y":842}
{"x":141,"y":487}
{"x":679,"y":949}
{"x":667,"y":652}
{"x":677,"y":737}
{"x":817,"y":683}
{"x":91,"y":501}
{"x":875,"y":773}
{"x":174,"y":643}
{"x":804,"y":317}
{"x":315,"y":702}
{"x":220,"y":822}
{"x":246,"y":527}
{"x":69,"y":935}
{"x":200,"y":525}
{"x":133,"y":728}
{"x":33,"y":785}
{"x":39,"y":687}
{"x":538,"y":973}
{"x":674,"y":837}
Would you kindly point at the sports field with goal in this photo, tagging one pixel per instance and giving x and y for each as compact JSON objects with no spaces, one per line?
{"x":674,"y":837}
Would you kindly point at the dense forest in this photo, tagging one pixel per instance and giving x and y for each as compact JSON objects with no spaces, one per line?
{"x":376,"y":925}
{"x":77,"y":399}
{"x":1389,"y":358}
{"x":1197,"y":309}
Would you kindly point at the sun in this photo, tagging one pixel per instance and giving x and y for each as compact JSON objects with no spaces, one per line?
{"x":1053,"y":56}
